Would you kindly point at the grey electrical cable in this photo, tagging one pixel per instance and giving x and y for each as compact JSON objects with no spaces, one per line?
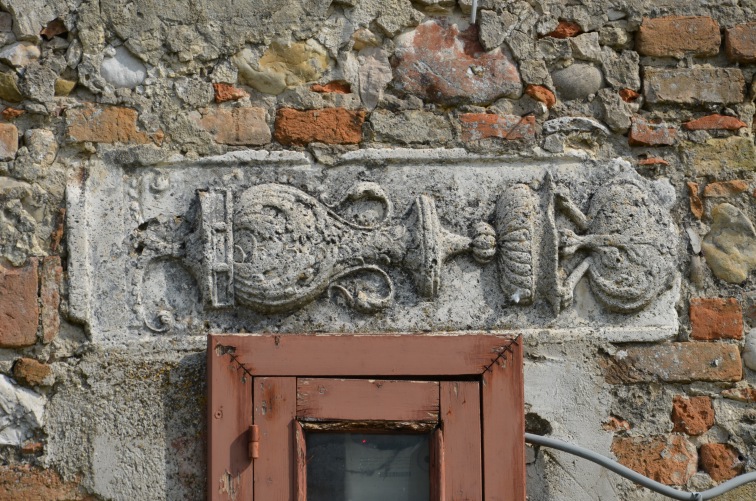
{"x":637,"y":477}
{"x":474,"y":12}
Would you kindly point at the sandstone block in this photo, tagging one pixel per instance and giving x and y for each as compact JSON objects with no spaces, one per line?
{"x":721,"y":461}
{"x":693,"y":86}
{"x":19,"y":309}
{"x":675,"y":363}
{"x":725,"y":188}
{"x":693,"y":416}
{"x":740,"y":43}
{"x":730,"y":245}
{"x":676,"y":36}
{"x":715,"y":122}
{"x":476,"y":126}
{"x":8,"y":141}
{"x":716,"y":318}
{"x":671,"y":460}
{"x":51,"y":275}
{"x":643,"y":133}
{"x":329,"y":125}
{"x":111,"y":124}
{"x":717,"y":155}
{"x":30,"y":372}
{"x":438,"y":63}
{"x":238,"y":126}
{"x":411,"y":127}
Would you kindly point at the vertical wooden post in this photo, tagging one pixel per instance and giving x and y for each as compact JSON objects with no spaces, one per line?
{"x":460,"y":418}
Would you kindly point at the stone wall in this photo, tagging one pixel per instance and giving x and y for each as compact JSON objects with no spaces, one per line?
{"x":108,"y":103}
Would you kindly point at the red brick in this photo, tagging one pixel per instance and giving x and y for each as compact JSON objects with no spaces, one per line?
{"x":725,"y":188}
{"x":436,"y":62}
{"x":715,"y":318}
{"x":671,"y":460}
{"x":652,"y":161}
{"x":329,"y":125}
{"x":50,"y":277}
{"x":29,"y":448}
{"x":678,"y":35}
{"x":12,"y":113}
{"x":8,"y":141}
{"x":237,"y":126}
{"x":24,"y":483}
{"x":696,"y":205}
{"x":542,"y":94}
{"x":715,"y":122}
{"x":674,"y":363}
{"x":476,"y":126}
{"x":565,"y":29}
{"x":693,"y":416}
{"x":19,"y":309}
{"x":110,"y":124}
{"x":721,"y":461}
{"x":628,"y":95}
{"x":335,"y":87}
{"x":740,"y":43}
{"x":30,"y":372}
{"x":643,"y":133}
{"x":226,"y":92}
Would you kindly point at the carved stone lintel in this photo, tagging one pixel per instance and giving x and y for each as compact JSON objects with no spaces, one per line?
{"x":217,"y":282}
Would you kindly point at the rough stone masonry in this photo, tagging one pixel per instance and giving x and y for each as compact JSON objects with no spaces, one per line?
{"x":581,"y":173}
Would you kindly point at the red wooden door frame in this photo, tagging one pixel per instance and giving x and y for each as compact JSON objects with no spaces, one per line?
{"x":234,"y":360}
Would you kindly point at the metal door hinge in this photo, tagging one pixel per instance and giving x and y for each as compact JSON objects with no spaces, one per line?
{"x":254,"y":442}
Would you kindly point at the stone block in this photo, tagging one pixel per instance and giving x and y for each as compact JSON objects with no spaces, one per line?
{"x":669,"y":459}
{"x":411,"y":127}
{"x":721,"y":461}
{"x":740,"y":43}
{"x":476,"y":126}
{"x":237,"y":126}
{"x":329,"y":125}
{"x":8,"y":141}
{"x":693,"y":86}
{"x":675,"y":36}
{"x":110,"y":124}
{"x":674,"y":363}
{"x":693,"y":416}
{"x":730,"y":245}
{"x":715,"y":318}
{"x":439,"y":63}
{"x":717,"y":156}
{"x":51,"y":275}
{"x":643,"y":133}
{"x":19,"y":308}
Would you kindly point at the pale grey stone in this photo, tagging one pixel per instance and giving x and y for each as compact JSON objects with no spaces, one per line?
{"x":373,"y":75}
{"x":122,"y":70}
{"x":22,"y":412}
{"x":38,"y":83}
{"x":586,"y":47}
{"x":622,"y":71}
{"x":574,"y":124}
{"x":749,"y":350}
{"x":194,"y":92}
{"x":522,"y":45}
{"x":554,"y":49}
{"x":42,"y":146}
{"x":615,"y":36}
{"x":224,"y":72}
{"x":411,"y":127}
{"x":577,"y":81}
{"x":32,"y":15}
{"x":20,"y":54}
{"x":535,"y":72}
{"x":616,"y":112}
{"x":494,"y":28}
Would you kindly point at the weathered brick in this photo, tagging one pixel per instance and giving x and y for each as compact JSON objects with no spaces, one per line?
{"x":8,"y":141}
{"x":643,"y":133}
{"x":335,"y":87}
{"x":693,"y":86}
{"x":715,"y":122}
{"x":671,"y":460}
{"x":24,"y":483}
{"x":693,"y":416}
{"x":30,"y":372}
{"x":628,"y":95}
{"x":438,"y":63}
{"x":715,"y":318}
{"x":725,"y":188}
{"x":721,"y":461}
{"x":676,"y":36}
{"x":10,"y":113}
{"x":49,"y":292}
{"x":476,"y":126}
{"x":237,"y":126}
{"x":741,"y":393}
{"x":740,"y":43}
{"x":542,"y":94}
{"x":329,"y":125}
{"x":19,"y":309}
{"x":110,"y":124}
{"x":696,"y":205}
{"x":226,"y":92}
{"x":565,"y":29}
{"x":674,"y":363}
{"x":652,"y":161}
